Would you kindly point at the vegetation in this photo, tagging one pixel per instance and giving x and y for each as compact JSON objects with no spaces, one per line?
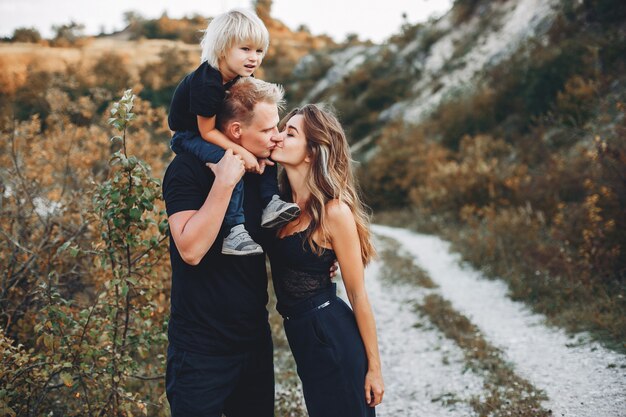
{"x":69,"y":34}
{"x":187,"y":29}
{"x":526,"y":175}
{"x":506,"y":393}
{"x":30,"y":35}
{"x":84,"y":282}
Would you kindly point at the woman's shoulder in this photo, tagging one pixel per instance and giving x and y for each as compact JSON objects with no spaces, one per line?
{"x":338,"y":212}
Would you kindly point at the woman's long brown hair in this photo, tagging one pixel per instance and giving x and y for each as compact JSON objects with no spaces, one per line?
{"x":330,"y":177}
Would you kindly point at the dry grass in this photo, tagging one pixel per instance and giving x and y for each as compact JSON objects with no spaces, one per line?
{"x":18,"y":59}
{"x":399,"y":266}
{"x":506,"y":393}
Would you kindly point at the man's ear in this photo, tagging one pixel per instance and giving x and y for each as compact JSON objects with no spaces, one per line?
{"x":234,"y":130}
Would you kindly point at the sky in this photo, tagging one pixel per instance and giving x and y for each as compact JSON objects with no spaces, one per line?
{"x":374,"y":20}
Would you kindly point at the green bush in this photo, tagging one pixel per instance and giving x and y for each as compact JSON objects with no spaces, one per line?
{"x":30,"y":35}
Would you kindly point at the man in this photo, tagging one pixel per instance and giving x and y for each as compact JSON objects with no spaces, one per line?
{"x":220,"y":352}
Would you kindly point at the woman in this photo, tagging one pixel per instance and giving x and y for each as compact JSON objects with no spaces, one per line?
{"x":336,"y":349}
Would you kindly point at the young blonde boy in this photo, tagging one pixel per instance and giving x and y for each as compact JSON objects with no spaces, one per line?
{"x":233,"y":46}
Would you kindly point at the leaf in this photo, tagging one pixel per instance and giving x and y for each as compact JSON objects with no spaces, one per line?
{"x":135,"y":213}
{"x":115,"y":196}
{"x":48,"y":340}
{"x":67,"y":379}
{"x":63,"y":247}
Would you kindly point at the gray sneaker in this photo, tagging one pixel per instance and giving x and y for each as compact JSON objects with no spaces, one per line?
{"x":239,"y":243}
{"x":278,"y":213}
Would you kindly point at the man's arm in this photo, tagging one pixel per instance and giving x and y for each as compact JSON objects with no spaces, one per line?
{"x":194,"y":231}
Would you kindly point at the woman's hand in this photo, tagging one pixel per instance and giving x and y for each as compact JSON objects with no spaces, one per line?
{"x":374,"y":388}
{"x":334,"y":268}
{"x":250,"y":161}
{"x":229,"y":170}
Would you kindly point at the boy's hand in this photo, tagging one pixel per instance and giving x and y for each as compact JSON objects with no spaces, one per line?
{"x":264,"y":162}
{"x":250,"y":162}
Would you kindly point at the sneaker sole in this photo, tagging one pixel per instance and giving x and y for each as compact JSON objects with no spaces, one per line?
{"x":240,"y":253}
{"x":282,"y":218}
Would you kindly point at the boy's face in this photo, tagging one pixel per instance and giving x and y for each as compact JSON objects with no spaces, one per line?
{"x":257,"y":136}
{"x":241,"y":59}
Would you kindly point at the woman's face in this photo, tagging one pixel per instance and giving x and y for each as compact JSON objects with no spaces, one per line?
{"x":292,"y":148}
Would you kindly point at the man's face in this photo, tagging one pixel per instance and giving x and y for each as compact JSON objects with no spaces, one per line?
{"x":256,"y":137}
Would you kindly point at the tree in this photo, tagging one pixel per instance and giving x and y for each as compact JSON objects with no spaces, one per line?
{"x":67,"y":34}
{"x":31,"y":35}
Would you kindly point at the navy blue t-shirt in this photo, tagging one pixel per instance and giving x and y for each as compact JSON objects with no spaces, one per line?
{"x":218,"y":307}
{"x":200,"y":93}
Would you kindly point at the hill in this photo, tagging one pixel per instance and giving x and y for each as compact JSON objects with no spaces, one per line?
{"x":499,"y":126}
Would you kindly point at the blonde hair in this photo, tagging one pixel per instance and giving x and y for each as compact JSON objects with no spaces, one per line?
{"x":243,"y":95}
{"x":331,"y":175}
{"x":230,"y":28}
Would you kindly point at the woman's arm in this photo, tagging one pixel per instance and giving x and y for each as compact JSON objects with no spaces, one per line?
{"x":345,"y":242}
{"x":194,"y":231}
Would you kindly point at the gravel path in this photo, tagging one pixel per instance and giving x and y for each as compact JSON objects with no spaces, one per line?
{"x":424,"y":372}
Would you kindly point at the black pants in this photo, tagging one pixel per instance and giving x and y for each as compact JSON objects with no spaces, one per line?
{"x":239,"y":385}
{"x":332,"y":364}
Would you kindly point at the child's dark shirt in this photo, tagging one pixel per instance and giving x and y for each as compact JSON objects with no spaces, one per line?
{"x":200,"y":93}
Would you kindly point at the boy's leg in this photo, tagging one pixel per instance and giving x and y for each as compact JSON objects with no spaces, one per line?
{"x":234,"y":213}
{"x":238,"y":241}
{"x":179,"y":139}
{"x":276,"y":212}
{"x":193,"y":143}
{"x":269,"y":184}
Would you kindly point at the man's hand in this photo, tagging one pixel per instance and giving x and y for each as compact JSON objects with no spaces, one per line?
{"x":333,"y":269}
{"x":229,"y":170}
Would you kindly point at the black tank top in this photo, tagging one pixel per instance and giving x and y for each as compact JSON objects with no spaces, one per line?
{"x":298,"y":272}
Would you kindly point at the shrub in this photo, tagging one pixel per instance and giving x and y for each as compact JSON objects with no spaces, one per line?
{"x":403,"y":161}
{"x":30,"y":35}
{"x":83,"y":311}
{"x":68,"y":34}
{"x":483,"y":173}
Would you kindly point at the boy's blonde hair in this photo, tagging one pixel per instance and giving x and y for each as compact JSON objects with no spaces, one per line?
{"x":230,"y":28}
